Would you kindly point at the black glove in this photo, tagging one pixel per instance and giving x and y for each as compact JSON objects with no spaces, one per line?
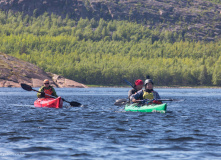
{"x":42,"y":94}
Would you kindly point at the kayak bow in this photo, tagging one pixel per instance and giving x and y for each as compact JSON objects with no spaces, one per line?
{"x":49,"y":102}
{"x":135,"y":107}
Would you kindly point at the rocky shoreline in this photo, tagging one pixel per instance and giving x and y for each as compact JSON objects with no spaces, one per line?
{"x":13,"y":72}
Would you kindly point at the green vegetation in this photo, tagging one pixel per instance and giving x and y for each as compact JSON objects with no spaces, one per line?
{"x":215,"y":1}
{"x":106,"y":52}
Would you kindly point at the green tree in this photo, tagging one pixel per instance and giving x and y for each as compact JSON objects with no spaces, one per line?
{"x":204,"y":77}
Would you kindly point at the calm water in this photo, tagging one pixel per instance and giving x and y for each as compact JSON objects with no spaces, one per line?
{"x":191,"y":129}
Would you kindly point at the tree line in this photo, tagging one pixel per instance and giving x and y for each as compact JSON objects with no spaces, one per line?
{"x":106,"y":52}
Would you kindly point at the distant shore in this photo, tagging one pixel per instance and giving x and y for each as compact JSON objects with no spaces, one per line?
{"x":126,"y":86}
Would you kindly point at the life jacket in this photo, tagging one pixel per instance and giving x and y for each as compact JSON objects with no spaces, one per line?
{"x":147,"y":95}
{"x":48,"y":91}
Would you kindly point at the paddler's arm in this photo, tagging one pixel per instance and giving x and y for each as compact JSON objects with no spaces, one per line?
{"x":135,"y":97}
{"x":156,"y":97}
{"x":132,"y":91}
{"x":135,"y":101}
{"x":54,"y":92}
{"x":40,"y":90}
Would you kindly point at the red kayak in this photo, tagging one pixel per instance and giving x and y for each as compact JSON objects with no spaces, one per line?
{"x":49,"y":102}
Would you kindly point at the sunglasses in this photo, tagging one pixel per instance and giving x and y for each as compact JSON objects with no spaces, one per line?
{"x":46,"y":83}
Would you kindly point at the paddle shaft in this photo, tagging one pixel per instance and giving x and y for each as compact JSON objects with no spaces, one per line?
{"x":50,"y":95}
{"x":29,"y":88}
{"x":129,"y":83}
{"x":45,"y":93}
{"x":164,"y":99}
{"x":157,"y":100}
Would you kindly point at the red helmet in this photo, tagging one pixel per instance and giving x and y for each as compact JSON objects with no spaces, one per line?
{"x":138,"y":82}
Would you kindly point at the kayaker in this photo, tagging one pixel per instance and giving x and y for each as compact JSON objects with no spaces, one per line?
{"x":148,"y":93}
{"x":138,"y":85}
{"x":46,"y":89}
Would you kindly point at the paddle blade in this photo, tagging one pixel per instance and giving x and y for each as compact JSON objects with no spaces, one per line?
{"x":120,"y":102}
{"x":75,"y":104}
{"x":178,"y":100}
{"x":175,"y":100}
{"x":26,"y":87}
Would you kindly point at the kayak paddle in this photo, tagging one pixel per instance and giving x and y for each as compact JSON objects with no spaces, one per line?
{"x":29,"y":88}
{"x":175,"y":100}
{"x":129,"y":83}
{"x":121,"y":102}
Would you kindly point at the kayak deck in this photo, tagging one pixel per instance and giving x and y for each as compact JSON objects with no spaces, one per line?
{"x":135,"y":107}
{"x":49,"y":102}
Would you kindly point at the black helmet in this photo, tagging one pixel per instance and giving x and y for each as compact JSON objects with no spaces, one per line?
{"x":148,"y":81}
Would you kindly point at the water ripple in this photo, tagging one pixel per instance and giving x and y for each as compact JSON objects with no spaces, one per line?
{"x":100,"y":130}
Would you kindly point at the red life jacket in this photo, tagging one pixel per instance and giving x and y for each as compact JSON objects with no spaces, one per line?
{"x":48,"y":91}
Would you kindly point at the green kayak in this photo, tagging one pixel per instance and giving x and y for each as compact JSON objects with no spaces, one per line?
{"x":146,"y":108}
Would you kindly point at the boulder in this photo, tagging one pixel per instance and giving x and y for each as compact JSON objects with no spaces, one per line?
{"x":13,"y":72}
{"x":66,"y":83}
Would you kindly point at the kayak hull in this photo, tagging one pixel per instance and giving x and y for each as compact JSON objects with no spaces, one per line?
{"x":146,"y":108}
{"x":49,"y":102}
